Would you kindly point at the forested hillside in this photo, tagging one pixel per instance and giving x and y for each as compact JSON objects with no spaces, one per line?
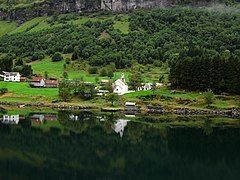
{"x":176,"y":36}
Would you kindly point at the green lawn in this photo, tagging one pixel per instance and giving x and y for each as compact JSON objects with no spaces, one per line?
{"x":27,"y":26}
{"x":55,"y":70}
{"x":123,"y":26}
{"x":41,"y":23}
{"x":167,"y":93}
{"x":6,"y":27}
{"x":23,"y":92}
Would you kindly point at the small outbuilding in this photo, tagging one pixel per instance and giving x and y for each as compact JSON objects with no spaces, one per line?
{"x":51,"y":83}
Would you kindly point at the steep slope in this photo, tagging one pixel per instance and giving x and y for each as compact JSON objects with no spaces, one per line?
{"x":23,"y":10}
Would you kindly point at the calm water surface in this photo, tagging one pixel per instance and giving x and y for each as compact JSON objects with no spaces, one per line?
{"x":89,"y":145}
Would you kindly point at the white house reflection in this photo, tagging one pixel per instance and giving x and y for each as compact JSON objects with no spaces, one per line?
{"x":10,"y":119}
{"x":119,"y":126}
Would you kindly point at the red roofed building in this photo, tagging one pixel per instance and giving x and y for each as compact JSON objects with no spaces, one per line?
{"x":51,"y":83}
{"x":37,"y":82}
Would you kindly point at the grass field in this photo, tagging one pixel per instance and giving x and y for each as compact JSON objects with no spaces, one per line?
{"x":22,"y":92}
{"x":195,"y":100}
{"x":6,"y":27}
{"x":123,"y":26}
{"x":55,"y":70}
{"x":42,"y":23}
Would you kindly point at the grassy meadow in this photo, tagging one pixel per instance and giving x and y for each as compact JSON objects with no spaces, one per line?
{"x":44,"y":23}
{"x":6,"y":27}
{"x":22,"y":92}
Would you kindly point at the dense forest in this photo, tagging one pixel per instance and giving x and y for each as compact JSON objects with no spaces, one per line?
{"x":176,"y":36}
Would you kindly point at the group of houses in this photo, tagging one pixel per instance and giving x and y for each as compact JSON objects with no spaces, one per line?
{"x":120,"y":86}
{"x":41,"y":82}
{"x":36,"y":81}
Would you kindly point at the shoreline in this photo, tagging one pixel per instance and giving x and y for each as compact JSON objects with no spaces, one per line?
{"x":158,"y":111}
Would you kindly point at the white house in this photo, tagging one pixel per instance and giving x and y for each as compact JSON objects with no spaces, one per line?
{"x":11,"y":76}
{"x":10,"y":119}
{"x":119,"y":126}
{"x":120,"y":86}
{"x":145,"y":87}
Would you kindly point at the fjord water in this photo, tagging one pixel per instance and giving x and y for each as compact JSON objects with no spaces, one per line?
{"x":88,"y":145}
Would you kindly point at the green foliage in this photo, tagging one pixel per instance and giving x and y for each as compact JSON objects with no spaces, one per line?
{"x":154,"y":36}
{"x":3,"y":91}
{"x":77,"y":88}
{"x":6,"y":62}
{"x":112,"y":97}
{"x":208,"y":97}
{"x":103,"y":72}
{"x":93,"y":70}
{"x":65,"y":75}
{"x":64,"y":91}
{"x":136,"y":77}
{"x":46,"y":75}
{"x":206,"y":70}
{"x":57,"y":57}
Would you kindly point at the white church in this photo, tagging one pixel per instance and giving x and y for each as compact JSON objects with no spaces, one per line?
{"x":120,"y":86}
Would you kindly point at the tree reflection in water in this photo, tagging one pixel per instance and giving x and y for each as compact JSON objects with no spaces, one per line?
{"x":85,"y":145}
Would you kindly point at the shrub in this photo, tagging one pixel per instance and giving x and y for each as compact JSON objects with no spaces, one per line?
{"x":3,"y":91}
{"x":57,"y":57}
{"x":93,"y":70}
{"x":208,"y":97}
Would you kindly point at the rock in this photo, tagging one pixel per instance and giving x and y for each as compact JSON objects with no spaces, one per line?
{"x":46,"y":8}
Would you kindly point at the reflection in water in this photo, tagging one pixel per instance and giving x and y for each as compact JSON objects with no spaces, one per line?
{"x":119,"y":126}
{"x":86,"y":145}
{"x":10,"y":119}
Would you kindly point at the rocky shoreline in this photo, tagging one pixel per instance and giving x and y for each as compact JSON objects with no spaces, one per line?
{"x":158,"y":110}
{"x":48,"y":105}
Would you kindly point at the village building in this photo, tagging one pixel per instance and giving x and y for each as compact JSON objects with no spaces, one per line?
{"x":23,"y":79}
{"x":130,"y":105}
{"x":120,"y":86}
{"x":145,"y":87}
{"x":37,"y":82}
{"x":101,"y":92}
{"x":51,"y":83}
{"x":11,"y":76}
{"x":104,"y":82}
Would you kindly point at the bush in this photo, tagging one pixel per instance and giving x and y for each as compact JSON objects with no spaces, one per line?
{"x":103,"y":72}
{"x":57,"y":57}
{"x":93,"y":70}
{"x":3,"y":91}
{"x":208,"y":97}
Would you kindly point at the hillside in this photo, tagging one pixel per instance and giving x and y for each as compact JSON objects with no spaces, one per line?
{"x":145,"y":36}
{"x":23,"y":10}
{"x":194,"y":49}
